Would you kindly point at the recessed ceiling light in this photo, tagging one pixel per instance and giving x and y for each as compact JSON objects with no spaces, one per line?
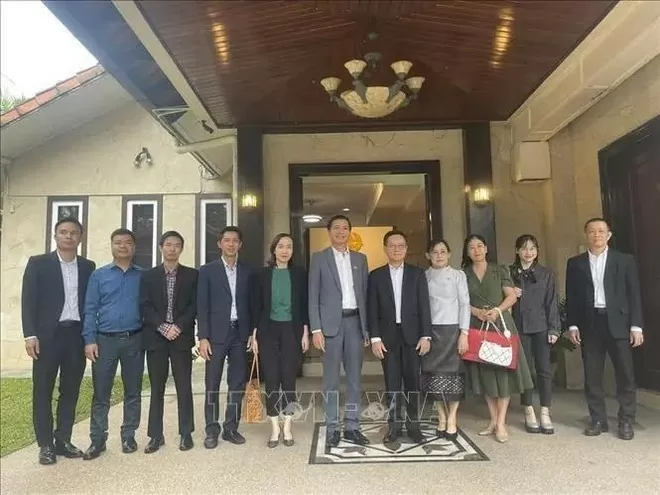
{"x":311,"y":218}
{"x":346,"y":209}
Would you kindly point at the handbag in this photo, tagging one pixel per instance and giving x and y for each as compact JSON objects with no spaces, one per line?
{"x":253,"y":406}
{"x":494,"y":347}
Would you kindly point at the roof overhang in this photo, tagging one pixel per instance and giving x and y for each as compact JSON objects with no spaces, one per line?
{"x":62,"y":114}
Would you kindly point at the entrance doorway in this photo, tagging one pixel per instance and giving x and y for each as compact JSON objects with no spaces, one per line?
{"x":377,"y":197}
{"x":630,"y":184}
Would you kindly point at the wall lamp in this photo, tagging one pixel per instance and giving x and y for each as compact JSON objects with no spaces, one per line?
{"x":249,"y":201}
{"x":481,"y":196}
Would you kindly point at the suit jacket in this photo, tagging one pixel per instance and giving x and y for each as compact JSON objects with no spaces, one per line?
{"x":622,"y":294}
{"x":42,"y":299}
{"x":153,"y":305}
{"x":214,"y":302}
{"x":537,"y":310}
{"x":261,"y":289}
{"x":415,"y":305}
{"x":325,"y":299}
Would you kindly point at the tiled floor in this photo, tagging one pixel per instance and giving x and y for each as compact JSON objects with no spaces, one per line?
{"x":566,"y":462}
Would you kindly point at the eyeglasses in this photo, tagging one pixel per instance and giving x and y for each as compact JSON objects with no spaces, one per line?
{"x":68,"y":233}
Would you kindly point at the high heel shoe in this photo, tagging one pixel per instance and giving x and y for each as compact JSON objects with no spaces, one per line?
{"x":487,"y":431}
{"x":546,"y":423}
{"x":531,"y":424}
{"x":502,"y":436}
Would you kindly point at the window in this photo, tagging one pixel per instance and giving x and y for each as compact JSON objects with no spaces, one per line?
{"x":142,"y":217}
{"x":59,"y":208}
{"x":214,"y":215}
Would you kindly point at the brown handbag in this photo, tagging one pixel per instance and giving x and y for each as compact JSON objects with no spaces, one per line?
{"x":253,"y":406}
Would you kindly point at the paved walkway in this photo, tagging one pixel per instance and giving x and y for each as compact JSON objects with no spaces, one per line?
{"x":562,"y":463}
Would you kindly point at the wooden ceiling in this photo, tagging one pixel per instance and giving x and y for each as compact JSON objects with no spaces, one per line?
{"x":260,"y":63}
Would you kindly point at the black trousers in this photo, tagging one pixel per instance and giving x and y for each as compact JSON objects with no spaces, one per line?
{"x":233,"y":351}
{"x":595,"y":345}
{"x":158,"y":365}
{"x":115,"y":349}
{"x":65,"y":354}
{"x":280,"y":352}
{"x":402,"y":363}
{"x":537,"y":352}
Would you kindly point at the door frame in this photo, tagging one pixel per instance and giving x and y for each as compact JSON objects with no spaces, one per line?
{"x":608,"y":168}
{"x":297,"y":171}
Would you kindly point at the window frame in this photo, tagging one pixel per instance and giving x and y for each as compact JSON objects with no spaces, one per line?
{"x":128,"y":202}
{"x":54,"y":202}
{"x":200,"y":230}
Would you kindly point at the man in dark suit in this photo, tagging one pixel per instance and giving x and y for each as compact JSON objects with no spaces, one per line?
{"x":400,"y":331}
{"x":168,"y":301}
{"x":604,"y":314}
{"x":53,"y":299}
{"x":223,"y":314}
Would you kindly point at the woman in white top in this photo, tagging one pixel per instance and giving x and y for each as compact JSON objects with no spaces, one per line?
{"x":443,"y":375}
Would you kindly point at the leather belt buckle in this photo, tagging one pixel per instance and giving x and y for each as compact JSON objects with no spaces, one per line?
{"x":601,"y":311}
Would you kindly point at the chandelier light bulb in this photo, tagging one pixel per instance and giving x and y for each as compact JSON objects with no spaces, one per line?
{"x":330,"y":84}
{"x":401,"y":68}
{"x":355,"y":67}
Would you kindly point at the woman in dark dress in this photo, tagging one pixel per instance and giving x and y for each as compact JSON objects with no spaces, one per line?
{"x":491,"y":296}
{"x":537,"y":319}
{"x":281,"y":336}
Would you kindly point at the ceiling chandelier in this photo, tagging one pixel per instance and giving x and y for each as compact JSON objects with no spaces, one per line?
{"x":373,"y":102}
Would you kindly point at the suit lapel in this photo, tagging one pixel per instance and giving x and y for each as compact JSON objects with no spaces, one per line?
{"x":387,"y":280}
{"x":82,"y":269}
{"x":356,"y":274}
{"x":223,"y":274}
{"x":162,"y":283}
{"x":330,"y":257}
{"x":586,"y":267}
{"x":609,"y":277}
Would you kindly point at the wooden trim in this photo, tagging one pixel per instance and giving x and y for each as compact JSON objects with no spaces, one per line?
{"x":158,"y":198}
{"x":346,"y":127}
{"x":198,"y":218}
{"x":49,"y":216}
{"x":429,"y":168}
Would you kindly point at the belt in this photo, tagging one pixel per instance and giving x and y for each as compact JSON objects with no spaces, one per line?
{"x":120,"y":334}
{"x":68,"y":323}
{"x":347,"y":313}
{"x":233,"y":323}
{"x":600,"y":311}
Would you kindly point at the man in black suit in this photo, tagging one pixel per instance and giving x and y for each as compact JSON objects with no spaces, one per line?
{"x":53,"y":299}
{"x":168,"y":303}
{"x":223,"y":314}
{"x":400,"y":331}
{"x":604,"y":314}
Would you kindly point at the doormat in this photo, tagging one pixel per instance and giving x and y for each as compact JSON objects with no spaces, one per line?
{"x":432,"y":449}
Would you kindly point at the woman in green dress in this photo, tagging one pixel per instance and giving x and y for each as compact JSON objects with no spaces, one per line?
{"x":491,"y":288}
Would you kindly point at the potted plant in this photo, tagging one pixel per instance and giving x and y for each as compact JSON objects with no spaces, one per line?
{"x":563,"y":345}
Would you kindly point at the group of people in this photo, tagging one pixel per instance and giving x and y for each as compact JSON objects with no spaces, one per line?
{"x":415,"y":321}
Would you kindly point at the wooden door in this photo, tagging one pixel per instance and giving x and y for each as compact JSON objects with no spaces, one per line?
{"x":630,"y":176}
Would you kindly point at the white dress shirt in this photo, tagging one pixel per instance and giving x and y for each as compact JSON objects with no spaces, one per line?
{"x":231,"y":277}
{"x":396,"y":275}
{"x":70,"y":311}
{"x":597,"y":263}
{"x":450,"y":297}
{"x":343,"y":262}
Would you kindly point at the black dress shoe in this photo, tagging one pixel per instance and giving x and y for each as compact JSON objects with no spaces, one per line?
{"x":128,"y":446}
{"x":187,"y":442}
{"x":47,"y":455}
{"x":153,"y":445}
{"x":68,"y":450}
{"x":93,"y":451}
{"x":626,"y":431}
{"x":332,"y":440}
{"x":596,"y":428}
{"x":211,"y":441}
{"x":356,"y":437}
{"x":440,"y":433}
{"x":416,"y":435}
{"x":392,"y":436}
{"x":233,"y":436}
